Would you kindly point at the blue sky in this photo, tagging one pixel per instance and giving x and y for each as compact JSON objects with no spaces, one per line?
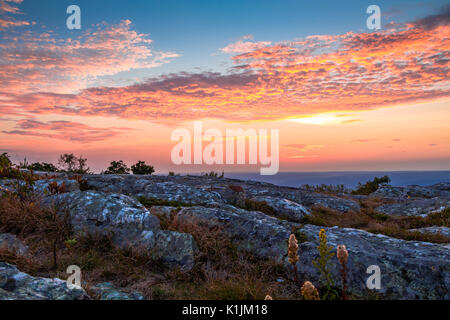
{"x":198,"y":29}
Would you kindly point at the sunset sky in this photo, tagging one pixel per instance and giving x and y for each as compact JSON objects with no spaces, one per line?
{"x":343,"y":97}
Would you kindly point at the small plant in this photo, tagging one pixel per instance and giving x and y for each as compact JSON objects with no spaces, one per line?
{"x":141,"y":168}
{"x":293,"y":254}
{"x":82,"y":182}
{"x":53,"y":188}
{"x":342,"y":255}
{"x":117,"y":167}
{"x":309,"y":292}
{"x":322,"y":264}
{"x":69,"y":243}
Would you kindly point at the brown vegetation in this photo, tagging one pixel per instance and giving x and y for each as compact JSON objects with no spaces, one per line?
{"x":371,"y":220}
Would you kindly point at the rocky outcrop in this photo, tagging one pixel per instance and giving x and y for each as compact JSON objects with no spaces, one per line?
{"x":128,"y":223}
{"x":12,"y":243}
{"x":16,"y":285}
{"x":409,"y":270}
{"x":206,"y":190}
{"x":414,"y":207}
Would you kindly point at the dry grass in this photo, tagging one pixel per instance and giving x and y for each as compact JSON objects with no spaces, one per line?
{"x":370,"y":220}
{"x":221,"y":270}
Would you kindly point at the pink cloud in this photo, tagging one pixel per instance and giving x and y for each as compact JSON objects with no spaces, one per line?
{"x":65,"y":130}
{"x":42,"y":62}
{"x":245,"y":45}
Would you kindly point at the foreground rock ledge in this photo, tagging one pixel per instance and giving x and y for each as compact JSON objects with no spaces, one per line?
{"x":409,"y":269}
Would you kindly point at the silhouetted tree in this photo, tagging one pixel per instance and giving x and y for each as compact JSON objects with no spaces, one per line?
{"x":141,"y":168}
{"x":70,"y":163}
{"x":117,"y":167}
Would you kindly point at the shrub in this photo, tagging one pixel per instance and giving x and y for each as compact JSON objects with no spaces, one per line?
{"x":371,"y":186}
{"x":117,"y":167}
{"x":214,"y":174}
{"x":325,"y":188}
{"x":70,"y":163}
{"x":4,"y":160}
{"x":44,"y":166}
{"x":141,"y":168}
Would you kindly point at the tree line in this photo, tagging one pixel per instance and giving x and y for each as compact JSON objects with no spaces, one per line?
{"x":69,"y":162}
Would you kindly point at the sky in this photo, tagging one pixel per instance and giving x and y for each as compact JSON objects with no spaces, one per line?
{"x":342,"y":96}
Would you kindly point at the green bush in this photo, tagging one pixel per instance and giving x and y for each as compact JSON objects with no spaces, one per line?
{"x":44,"y":166}
{"x":141,"y":168}
{"x":117,"y":167}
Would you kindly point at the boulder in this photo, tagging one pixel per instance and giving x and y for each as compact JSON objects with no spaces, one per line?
{"x":175,"y":249}
{"x":127,"y":221}
{"x":16,"y":285}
